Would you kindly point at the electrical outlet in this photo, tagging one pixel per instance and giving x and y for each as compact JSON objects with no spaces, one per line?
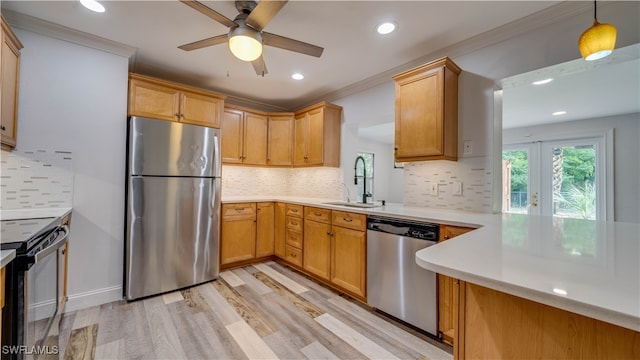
{"x":468,"y":147}
{"x":434,"y":189}
{"x":457,"y":188}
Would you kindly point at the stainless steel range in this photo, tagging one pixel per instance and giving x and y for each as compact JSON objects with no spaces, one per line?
{"x":33,"y":287}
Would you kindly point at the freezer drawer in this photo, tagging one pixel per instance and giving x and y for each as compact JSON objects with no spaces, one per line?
{"x":172,"y":234}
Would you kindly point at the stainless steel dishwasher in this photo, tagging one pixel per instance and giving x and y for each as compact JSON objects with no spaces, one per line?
{"x":396,"y":285}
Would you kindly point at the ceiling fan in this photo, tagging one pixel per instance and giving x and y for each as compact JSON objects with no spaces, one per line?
{"x":245,"y":36}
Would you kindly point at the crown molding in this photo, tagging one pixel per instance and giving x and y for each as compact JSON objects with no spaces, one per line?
{"x":49,"y":29}
{"x":540,"y":19}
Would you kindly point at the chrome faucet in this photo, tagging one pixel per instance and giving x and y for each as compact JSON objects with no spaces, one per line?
{"x":364,"y":177}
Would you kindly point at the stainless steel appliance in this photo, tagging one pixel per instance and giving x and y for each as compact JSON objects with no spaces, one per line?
{"x":34,"y":296}
{"x":172,"y":206}
{"x":396,"y":285}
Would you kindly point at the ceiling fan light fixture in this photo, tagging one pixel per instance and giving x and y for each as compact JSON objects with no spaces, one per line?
{"x":245,"y":43}
{"x":597,"y":41}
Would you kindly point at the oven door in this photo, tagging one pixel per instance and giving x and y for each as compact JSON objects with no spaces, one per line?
{"x":42,"y":315}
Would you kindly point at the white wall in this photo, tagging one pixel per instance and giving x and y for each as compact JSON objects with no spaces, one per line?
{"x":626,"y":151}
{"x":74,"y":98}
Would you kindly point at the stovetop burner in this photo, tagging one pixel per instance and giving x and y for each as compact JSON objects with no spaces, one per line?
{"x":22,"y":234}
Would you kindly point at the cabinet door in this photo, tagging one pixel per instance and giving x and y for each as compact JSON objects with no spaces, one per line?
{"x":280,"y":230}
{"x":348,"y":260}
{"x":265,"y":235}
{"x":280,"y":152}
{"x":9,"y":83}
{"x":316,"y":249}
{"x":447,"y":289}
{"x":152,"y":100}
{"x":419,"y":115}
{"x":315,"y":138}
{"x":255,"y":139}
{"x":200,"y":109}
{"x":301,"y":131}
{"x":238,"y":233}
{"x":231,"y":135}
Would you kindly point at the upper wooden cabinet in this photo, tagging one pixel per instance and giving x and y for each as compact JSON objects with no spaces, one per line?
{"x":10,"y":55}
{"x":426,"y":126}
{"x":279,"y":144}
{"x":164,"y":100}
{"x":244,"y":137}
{"x":317,"y":136}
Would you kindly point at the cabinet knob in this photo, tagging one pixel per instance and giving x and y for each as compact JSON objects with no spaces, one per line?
{"x":3,"y":128}
{"x":446,"y":237}
{"x":347,"y":219}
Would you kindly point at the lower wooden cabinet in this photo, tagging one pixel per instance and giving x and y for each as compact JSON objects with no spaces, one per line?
{"x":317,"y":248}
{"x":238,"y":233}
{"x":265,"y":235}
{"x":447,"y":289}
{"x":349,"y":260}
{"x":280,"y":230}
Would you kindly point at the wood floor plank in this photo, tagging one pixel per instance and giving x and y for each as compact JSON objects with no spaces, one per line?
{"x":188,"y":332}
{"x":304,"y":280}
{"x":64,"y":331}
{"x":301,"y":303}
{"x":288,"y":283}
{"x":221,"y":343}
{"x":250,"y":342}
{"x":110,"y":323}
{"x":244,"y":309}
{"x":112,"y":350}
{"x":231,"y":278}
{"x":218,"y":304}
{"x":172,"y":297}
{"x":353,"y":338}
{"x":86,"y":317}
{"x":162,"y":330}
{"x":283,"y":346}
{"x":420,"y":346}
{"x":82,"y":343}
{"x":256,"y":286}
{"x":194,"y":300}
{"x":316,"y":350}
{"x":137,"y":341}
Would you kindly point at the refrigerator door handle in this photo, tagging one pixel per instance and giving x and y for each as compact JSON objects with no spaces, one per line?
{"x":217,"y":156}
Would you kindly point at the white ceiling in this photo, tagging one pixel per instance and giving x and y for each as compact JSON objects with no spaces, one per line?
{"x":353,"y":51}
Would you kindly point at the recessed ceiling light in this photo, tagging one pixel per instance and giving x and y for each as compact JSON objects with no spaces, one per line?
{"x":92,"y":5}
{"x":297,"y":76}
{"x":386,"y":28}
{"x":559,"y":113}
{"x":542,"y":82}
{"x":560,"y":291}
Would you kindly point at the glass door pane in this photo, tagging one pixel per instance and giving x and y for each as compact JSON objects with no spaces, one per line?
{"x":515,"y":172}
{"x":573,"y":181}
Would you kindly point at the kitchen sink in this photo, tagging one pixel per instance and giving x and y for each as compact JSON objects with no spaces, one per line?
{"x":358,"y":205}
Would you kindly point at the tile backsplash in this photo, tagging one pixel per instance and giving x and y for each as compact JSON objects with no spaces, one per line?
{"x":36,"y":179}
{"x":318,"y":182}
{"x":476,"y":177}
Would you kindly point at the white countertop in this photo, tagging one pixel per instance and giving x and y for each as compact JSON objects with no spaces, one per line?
{"x":6,"y":256}
{"x":596,"y":263}
{"x":18,"y":214}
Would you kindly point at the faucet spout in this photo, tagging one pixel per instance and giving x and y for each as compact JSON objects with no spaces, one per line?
{"x":364,"y":177}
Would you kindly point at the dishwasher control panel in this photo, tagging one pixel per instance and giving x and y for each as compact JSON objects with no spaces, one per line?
{"x":413,"y":229}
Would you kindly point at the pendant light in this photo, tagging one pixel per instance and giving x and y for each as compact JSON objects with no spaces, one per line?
{"x":244,"y":42}
{"x":597,"y":41}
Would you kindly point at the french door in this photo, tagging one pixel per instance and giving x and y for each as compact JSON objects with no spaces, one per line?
{"x":564,"y":178}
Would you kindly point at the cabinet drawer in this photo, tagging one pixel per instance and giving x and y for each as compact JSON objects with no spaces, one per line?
{"x":349,"y":220}
{"x":239,"y":210}
{"x":294,"y":223}
{"x":294,"y":238}
{"x":317,"y":214}
{"x":294,"y":210}
{"x":294,"y":256}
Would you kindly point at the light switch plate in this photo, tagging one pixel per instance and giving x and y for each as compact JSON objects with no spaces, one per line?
{"x":434,"y":188}
{"x":457,"y":188}
{"x":468,"y":147}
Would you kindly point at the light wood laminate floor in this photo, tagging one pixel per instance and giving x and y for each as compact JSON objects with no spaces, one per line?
{"x":263,"y":311}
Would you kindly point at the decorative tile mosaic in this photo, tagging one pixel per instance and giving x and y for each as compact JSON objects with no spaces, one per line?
{"x":317,"y":182}
{"x":36,"y":179}
{"x":476,"y":177}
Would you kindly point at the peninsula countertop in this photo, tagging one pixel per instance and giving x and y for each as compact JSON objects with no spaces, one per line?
{"x":587,"y":267}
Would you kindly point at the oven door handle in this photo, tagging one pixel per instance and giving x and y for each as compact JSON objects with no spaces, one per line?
{"x":64,"y":229}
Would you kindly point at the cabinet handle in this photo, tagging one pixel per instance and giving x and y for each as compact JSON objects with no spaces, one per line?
{"x":293,"y":255}
{"x":329,"y":233}
{"x":239,"y":209}
{"x":294,"y":210}
{"x":317,"y":213}
{"x":294,"y":223}
{"x":347,"y":219}
{"x":446,"y":237}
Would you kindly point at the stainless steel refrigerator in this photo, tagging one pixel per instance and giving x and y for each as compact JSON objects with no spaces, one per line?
{"x":172,"y":206}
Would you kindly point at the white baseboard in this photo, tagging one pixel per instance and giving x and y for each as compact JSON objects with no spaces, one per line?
{"x":93,"y":298}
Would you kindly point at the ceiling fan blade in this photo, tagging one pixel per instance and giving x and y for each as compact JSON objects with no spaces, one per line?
{"x":263,"y":13}
{"x":259,"y":66}
{"x":291,"y":44}
{"x":204,"y":43}
{"x":205,"y":10}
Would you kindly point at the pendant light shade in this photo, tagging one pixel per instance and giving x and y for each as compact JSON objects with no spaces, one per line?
{"x":597,"y":41}
{"x":245,"y":43}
